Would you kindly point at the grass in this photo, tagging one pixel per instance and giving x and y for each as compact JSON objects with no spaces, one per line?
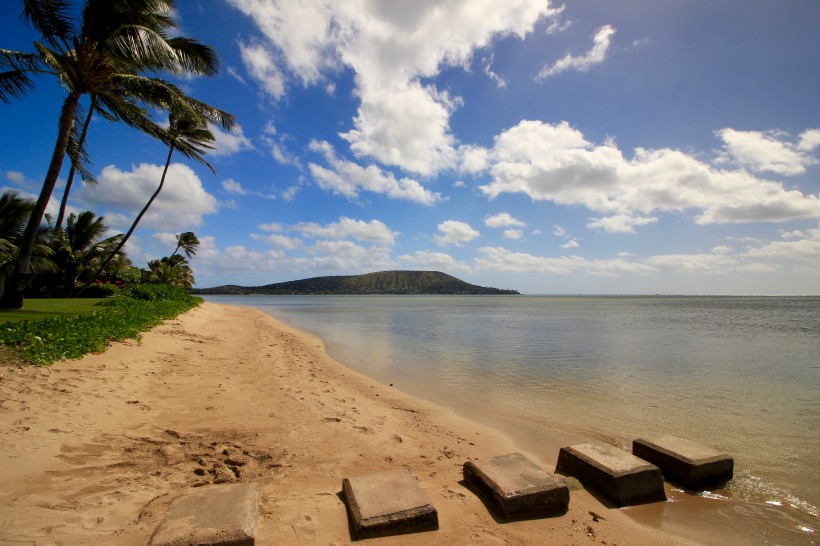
{"x":36,"y":309}
{"x":120,"y":317}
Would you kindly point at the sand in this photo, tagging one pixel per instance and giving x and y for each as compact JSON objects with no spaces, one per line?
{"x":94,"y":450}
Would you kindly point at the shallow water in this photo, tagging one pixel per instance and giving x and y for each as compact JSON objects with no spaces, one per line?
{"x":740,"y":374}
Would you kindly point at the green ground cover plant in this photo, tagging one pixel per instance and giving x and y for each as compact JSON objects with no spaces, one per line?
{"x":119,"y":317}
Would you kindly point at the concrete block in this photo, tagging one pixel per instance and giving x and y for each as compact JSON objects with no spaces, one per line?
{"x":388,"y":503}
{"x":517,"y":486}
{"x":222,"y":515}
{"x":623,"y":478}
{"x":690,"y":464}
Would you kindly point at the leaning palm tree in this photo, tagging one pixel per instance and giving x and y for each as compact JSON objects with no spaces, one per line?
{"x":188,"y":243}
{"x":117,"y":42}
{"x":188,"y":133}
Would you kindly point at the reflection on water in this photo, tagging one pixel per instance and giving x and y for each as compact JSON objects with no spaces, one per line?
{"x":740,"y":374}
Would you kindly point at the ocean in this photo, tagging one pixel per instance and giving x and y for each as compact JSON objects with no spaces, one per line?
{"x":740,"y":374}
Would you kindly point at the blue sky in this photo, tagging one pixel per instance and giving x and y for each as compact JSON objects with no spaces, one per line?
{"x":593,"y":146}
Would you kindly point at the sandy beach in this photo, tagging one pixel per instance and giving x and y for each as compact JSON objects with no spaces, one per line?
{"x":95,"y":449}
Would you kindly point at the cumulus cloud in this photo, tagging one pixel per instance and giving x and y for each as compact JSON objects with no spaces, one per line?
{"x":502,"y":219}
{"x":261,"y":64}
{"x":348,"y":178}
{"x":601,"y":43}
{"x":439,"y":261}
{"x":373,"y":231}
{"x":769,"y":151}
{"x":554,"y":162}
{"x":179,"y":207}
{"x":226,"y":143}
{"x":453,"y":232}
{"x":513,"y":234}
{"x":391,"y":47}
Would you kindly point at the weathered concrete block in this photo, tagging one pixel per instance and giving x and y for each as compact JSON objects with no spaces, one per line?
{"x":213,"y":515}
{"x":388,"y":503}
{"x":692,"y":465}
{"x":623,"y":478}
{"x":517,"y":486}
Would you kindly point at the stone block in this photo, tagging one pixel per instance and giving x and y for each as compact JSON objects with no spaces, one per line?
{"x":517,"y":486}
{"x":620,"y":476}
{"x":222,"y":515}
{"x":388,"y":503}
{"x":690,"y":464}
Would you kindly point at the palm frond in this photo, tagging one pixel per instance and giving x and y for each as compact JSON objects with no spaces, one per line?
{"x":194,"y":56}
{"x":15,"y":67}
{"x":80,"y":158}
{"x":50,"y":18}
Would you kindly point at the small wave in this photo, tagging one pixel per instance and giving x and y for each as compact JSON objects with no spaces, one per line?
{"x":749,"y":486}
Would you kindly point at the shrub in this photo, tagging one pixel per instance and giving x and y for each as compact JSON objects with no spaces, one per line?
{"x":100,"y":291}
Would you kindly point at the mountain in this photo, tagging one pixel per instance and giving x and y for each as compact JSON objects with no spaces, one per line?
{"x":384,"y":282}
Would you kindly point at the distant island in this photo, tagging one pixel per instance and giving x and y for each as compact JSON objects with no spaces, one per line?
{"x":383,"y":282}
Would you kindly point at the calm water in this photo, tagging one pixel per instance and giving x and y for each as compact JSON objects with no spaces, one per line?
{"x":741,"y":374}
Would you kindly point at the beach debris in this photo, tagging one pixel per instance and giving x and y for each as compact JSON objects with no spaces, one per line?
{"x":596,"y":517}
{"x":388,"y":503}
{"x":517,"y":486}
{"x":620,"y":476}
{"x":211,"y":515}
{"x":686,"y":462}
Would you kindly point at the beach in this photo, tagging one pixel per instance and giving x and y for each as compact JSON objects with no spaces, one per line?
{"x":96,"y":449}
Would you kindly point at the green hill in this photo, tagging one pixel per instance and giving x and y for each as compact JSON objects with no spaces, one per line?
{"x":384,"y":282}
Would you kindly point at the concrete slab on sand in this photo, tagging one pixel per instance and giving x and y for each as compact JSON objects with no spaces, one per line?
{"x":622,"y":477}
{"x":517,"y":486}
{"x":691,"y":464}
{"x":212,"y":515}
{"x":388,"y":503}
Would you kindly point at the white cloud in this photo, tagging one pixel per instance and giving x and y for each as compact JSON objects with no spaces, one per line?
{"x":453,"y":232}
{"x":232,"y":186}
{"x":260,"y":63}
{"x":600,"y":47}
{"x":438,"y":261}
{"x":620,"y":223}
{"x":503,"y":260}
{"x":487,"y":64}
{"x":391,"y":47}
{"x":769,"y":151}
{"x":571,"y":244}
{"x":556,"y":163}
{"x":226,"y":143}
{"x":502,"y":219}
{"x":280,"y":241}
{"x":348,"y":179}
{"x":513,"y":234}
{"x":179,"y":207}
{"x":373,"y":231}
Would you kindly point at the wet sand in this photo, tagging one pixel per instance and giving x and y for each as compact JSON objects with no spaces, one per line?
{"x":95,"y":449}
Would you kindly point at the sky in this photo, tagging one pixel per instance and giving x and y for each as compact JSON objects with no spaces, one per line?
{"x":584,"y":147}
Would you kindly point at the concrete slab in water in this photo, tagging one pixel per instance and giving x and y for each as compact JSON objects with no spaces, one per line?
{"x":213,"y":515}
{"x":691,"y":464}
{"x":517,"y":486}
{"x":622,"y":477}
{"x":388,"y":503}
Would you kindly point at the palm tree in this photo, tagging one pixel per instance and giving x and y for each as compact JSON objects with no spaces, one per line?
{"x":118,"y":40}
{"x":83,"y":247}
{"x":14,"y":213}
{"x":188,"y":243}
{"x":171,"y":270}
{"x":189,"y":133}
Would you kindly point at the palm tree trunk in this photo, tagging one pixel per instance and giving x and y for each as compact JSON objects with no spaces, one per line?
{"x":70,"y":181}
{"x":14,"y":294}
{"x":133,"y":226}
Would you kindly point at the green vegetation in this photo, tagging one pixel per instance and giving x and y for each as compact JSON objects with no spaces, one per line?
{"x":116,"y":318}
{"x":384,"y":282}
{"x":38,"y":309}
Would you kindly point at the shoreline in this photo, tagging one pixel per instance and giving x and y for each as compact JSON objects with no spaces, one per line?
{"x":97,"y":448}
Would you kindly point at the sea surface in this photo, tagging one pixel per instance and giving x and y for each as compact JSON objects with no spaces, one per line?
{"x":740,"y":374}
